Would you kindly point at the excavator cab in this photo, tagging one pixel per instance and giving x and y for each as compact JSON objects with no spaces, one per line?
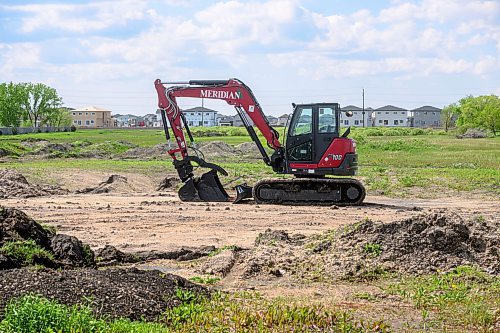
{"x":314,"y":146}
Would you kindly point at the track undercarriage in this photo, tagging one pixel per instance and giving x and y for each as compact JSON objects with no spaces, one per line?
{"x":309,"y":191}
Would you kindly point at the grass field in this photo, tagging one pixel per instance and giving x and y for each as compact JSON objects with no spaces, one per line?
{"x":395,"y":162}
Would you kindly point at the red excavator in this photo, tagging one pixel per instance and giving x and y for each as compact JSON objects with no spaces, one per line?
{"x":313,"y":150}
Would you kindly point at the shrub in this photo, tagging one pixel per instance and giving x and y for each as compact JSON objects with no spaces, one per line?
{"x":73,"y":128}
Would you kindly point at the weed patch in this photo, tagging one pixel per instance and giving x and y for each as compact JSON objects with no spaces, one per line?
{"x":26,"y":252}
{"x":464,"y":296}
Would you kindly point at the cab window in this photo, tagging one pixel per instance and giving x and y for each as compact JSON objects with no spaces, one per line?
{"x":302,"y":122}
{"x":327,"y":122}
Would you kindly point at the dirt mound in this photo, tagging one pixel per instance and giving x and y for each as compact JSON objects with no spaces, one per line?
{"x":114,"y":184}
{"x":155,"y":152}
{"x":130,"y":293}
{"x":218,"y":148}
{"x":14,"y":185}
{"x":473,"y":133}
{"x":426,"y":243}
{"x":24,"y":242}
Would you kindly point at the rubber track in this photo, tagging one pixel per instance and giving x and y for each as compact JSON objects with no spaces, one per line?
{"x":303,"y":191}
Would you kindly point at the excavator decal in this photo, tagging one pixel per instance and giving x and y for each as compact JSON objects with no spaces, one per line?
{"x":313,"y":151}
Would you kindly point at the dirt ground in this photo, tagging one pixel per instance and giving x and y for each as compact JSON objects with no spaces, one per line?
{"x":135,"y":217}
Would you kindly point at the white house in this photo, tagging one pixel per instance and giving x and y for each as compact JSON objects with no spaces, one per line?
{"x":391,"y":116}
{"x":200,"y":116}
{"x":358,"y":119}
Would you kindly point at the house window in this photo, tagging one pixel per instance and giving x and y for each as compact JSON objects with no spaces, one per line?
{"x":386,"y":122}
{"x":395,"y":112}
{"x":87,"y":122}
{"x":79,"y":122}
{"x":74,"y":113}
{"x":92,"y":122}
{"x":93,"y":113}
{"x":75,"y":122}
{"x":192,"y":113}
{"x":346,"y":122}
{"x":380,"y":121}
{"x":387,"y":112}
{"x":403,"y":112}
{"x":356,"y":122}
{"x":207,"y":114}
{"x":79,"y":113}
{"x":205,"y":122}
{"x":434,"y":113}
{"x":395,"y":122}
{"x":379,"y":112}
{"x":199,"y":113}
{"x":86,"y":113}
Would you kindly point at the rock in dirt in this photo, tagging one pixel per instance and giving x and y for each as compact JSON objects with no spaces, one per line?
{"x":181,"y":254}
{"x":110,"y":255}
{"x":14,"y":185}
{"x":71,"y":252}
{"x":168,"y":183}
{"x":220,"y":264}
{"x":129,"y":293}
{"x":114,"y":183}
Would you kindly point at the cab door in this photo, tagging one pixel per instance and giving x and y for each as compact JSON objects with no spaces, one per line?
{"x":300,"y":143}
{"x":327,"y":128}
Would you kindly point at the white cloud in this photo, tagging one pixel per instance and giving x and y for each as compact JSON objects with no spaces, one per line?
{"x":18,"y":56}
{"x":79,"y":17}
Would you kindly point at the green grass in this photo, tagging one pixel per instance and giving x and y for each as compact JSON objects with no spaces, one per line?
{"x":464,"y":297}
{"x":205,"y":279}
{"x":37,"y":314}
{"x":241,"y":312}
{"x":25,"y":251}
{"x":249,"y":312}
{"x":395,"y":162}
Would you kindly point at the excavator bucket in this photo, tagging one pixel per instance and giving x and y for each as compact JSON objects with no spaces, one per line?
{"x":205,"y":188}
{"x":243,"y":191}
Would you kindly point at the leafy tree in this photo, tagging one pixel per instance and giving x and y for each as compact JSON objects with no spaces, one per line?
{"x":10,"y":106}
{"x":58,"y":117}
{"x":38,"y":102}
{"x":481,"y":112}
{"x":449,"y":114}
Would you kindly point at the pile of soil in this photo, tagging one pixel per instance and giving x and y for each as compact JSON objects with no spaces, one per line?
{"x":129,"y":293}
{"x":159,"y":151}
{"x":218,"y":148}
{"x":67,"y":251}
{"x":473,"y":133}
{"x":14,"y":185}
{"x":429,"y":242}
{"x":114,"y":184}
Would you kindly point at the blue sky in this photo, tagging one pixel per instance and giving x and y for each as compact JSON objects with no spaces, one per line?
{"x":108,"y":53}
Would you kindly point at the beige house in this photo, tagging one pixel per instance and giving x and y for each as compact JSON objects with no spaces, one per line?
{"x":91,"y":116}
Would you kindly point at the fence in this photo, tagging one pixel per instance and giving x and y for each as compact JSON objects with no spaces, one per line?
{"x":26,"y":130}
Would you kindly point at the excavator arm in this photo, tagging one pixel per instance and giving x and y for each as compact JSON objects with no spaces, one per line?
{"x":235,"y":93}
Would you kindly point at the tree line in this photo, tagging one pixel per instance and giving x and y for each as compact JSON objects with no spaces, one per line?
{"x":31,"y":105}
{"x":473,"y":112}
